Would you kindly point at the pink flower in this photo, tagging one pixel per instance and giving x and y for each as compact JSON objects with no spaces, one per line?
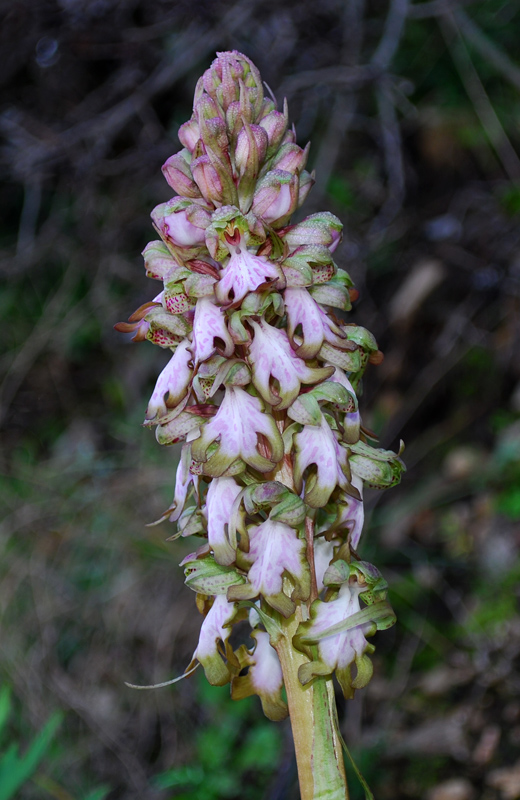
{"x":221,"y":495}
{"x":316,"y":327}
{"x":316,"y":445}
{"x":172,"y":384}
{"x":340,"y":650}
{"x":236,"y":426}
{"x":243,"y":273}
{"x":272,"y":359}
{"x":177,"y":223}
{"x":263,"y":678}
{"x":212,"y":631}
{"x":210,"y":331}
{"x":274,"y":548}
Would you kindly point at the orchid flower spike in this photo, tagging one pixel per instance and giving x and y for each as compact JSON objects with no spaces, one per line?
{"x":259,"y":385}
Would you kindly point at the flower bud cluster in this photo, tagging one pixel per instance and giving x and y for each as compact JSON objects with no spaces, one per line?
{"x":260,"y":388}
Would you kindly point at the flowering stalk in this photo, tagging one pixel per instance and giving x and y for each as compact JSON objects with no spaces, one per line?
{"x":261,"y":389}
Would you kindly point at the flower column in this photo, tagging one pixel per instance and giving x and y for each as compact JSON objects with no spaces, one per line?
{"x":261,"y":389}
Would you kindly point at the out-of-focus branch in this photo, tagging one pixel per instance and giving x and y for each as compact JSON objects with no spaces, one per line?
{"x":472,"y":33}
{"x":478,"y":96}
{"x":100,"y":131}
{"x":348,"y":77}
{"x":392,"y":147}
{"x":392,"y":33}
{"x":488,"y":49}
{"x":389,"y":124}
{"x":435,"y":7}
{"x":345,"y":105}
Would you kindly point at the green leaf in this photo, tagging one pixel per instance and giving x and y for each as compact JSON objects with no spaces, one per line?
{"x":98,"y":794}
{"x":5,"y":706}
{"x":15,"y":770}
{"x":179,"y":776}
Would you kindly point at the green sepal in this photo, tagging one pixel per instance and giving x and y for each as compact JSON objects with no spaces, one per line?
{"x":159,"y":262}
{"x":215,"y":669}
{"x":280,"y":602}
{"x":350,"y":360}
{"x":190,"y":523}
{"x":204,"y":575}
{"x":335,"y":292}
{"x":361,"y":336}
{"x":306,"y":409}
{"x":238,"y":332}
{"x":258,"y":303}
{"x":171,"y":432}
{"x":379,"y":469}
{"x":309,"y":255}
{"x":285,"y":505}
{"x":197,"y":285}
{"x":288,"y":436}
{"x":232,"y":372}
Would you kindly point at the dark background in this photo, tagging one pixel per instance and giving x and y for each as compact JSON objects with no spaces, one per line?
{"x":413,"y":111}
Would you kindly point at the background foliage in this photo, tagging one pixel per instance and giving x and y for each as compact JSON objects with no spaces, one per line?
{"x":413,"y":111}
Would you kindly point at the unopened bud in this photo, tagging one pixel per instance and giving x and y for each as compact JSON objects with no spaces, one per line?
{"x":207,"y":179}
{"x":223,"y":80}
{"x":181,"y":223}
{"x":322,"y":228}
{"x":178,"y":174}
{"x":291,"y":158}
{"x":189,"y":134}
{"x":250,"y":150}
{"x":276,"y":197}
{"x":275,"y":125}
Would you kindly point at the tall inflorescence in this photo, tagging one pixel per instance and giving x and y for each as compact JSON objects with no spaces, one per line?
{"x":261,"y":389}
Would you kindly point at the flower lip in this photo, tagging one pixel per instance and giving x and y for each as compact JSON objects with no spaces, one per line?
{"x":237,"y":425}
{"x":244,"y":272}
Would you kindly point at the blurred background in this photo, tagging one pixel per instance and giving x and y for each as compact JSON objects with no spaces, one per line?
{"x":413,"y":109}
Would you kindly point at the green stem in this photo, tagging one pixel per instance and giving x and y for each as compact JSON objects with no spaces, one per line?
{"x":319,"y":757}
{"x":312,"y":708}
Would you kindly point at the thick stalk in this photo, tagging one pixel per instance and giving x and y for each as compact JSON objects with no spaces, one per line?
{"x":321,"y":770}
{"x":319,"y":757}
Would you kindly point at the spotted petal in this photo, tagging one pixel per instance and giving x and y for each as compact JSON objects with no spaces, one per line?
{"x":272,"y":358}
{"x":221,"y":495}
{"x":315,"y":324}
{"x":212,"y":631}
{"x":274,"y":548}
{"x":172,"y":384}
{"x":209,"y":331}
{"x":340,"y":650}
{"x":244,"y":273}
{"x":236,"y":426}
{"x":316,"y":444}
